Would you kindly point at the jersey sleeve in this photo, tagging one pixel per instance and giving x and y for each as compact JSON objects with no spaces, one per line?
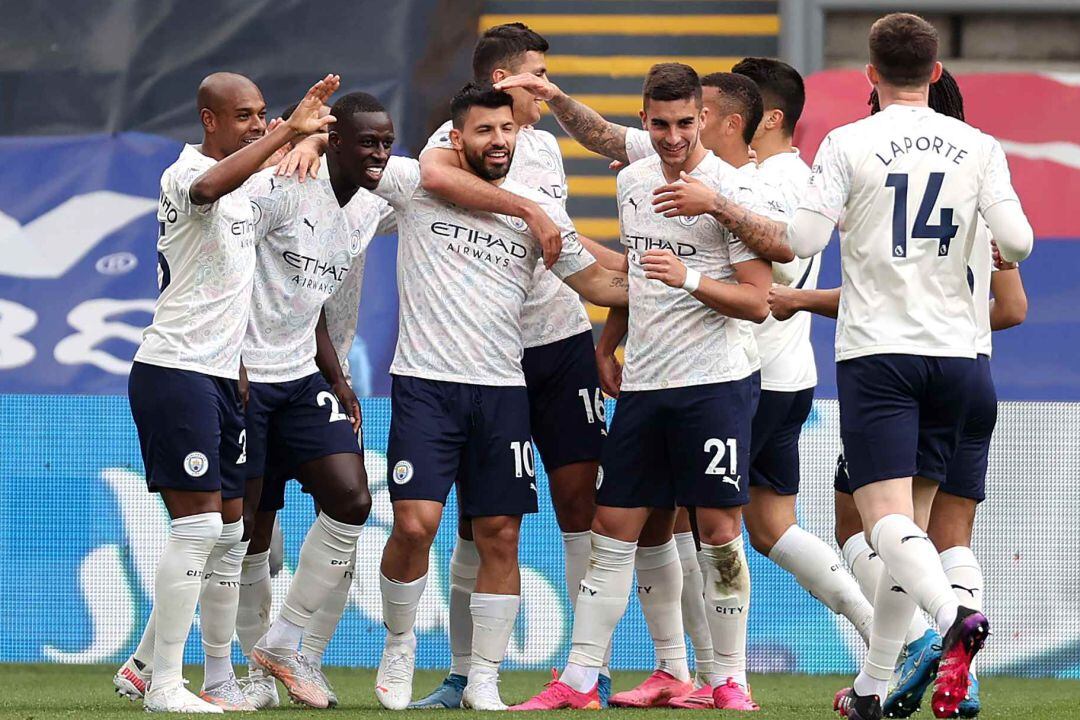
{"x":439,"y":139}
{"x":574,"y":257}
{"x":995,"y":185}
{"x":399,"y":181}
{"x":762,"y":197}
{"x":387,"y":219}
{"x":176,"y":185}
{"x":277,"y":201}
{"x":638,"y":144}
{"x":830,"y":181}
{"x":552,"y":144}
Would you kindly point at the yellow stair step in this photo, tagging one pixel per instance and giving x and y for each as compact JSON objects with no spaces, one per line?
{"x":591,"y":185}
{"x":611,"y":104}
{"x":631,"y":65}
{"x":611,"y":24}
{"x":598,"y":228}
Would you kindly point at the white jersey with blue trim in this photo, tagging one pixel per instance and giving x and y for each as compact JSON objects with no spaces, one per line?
{"x":206,"y":262}
{"x":906,"y":187}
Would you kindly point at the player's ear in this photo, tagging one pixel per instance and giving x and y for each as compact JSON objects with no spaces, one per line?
{"x":703,"y":116}
{"x":333,"y":140}
{"x":206,"y":117}
{"x":644,"y":122}
{"x":776,"y":119}
{"x":498,"y":74}
{"x":935,"y":73}
{"x":455,"y":139}
{"x":872,"y":75}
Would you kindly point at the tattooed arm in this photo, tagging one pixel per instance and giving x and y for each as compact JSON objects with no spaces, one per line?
{"x":583,"y":123}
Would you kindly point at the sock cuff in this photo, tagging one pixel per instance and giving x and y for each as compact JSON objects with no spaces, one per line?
{"x":465,"y":559}
{"x":204,"y":526}
{"x":651,"y":558}
{"x":733,"y":545}
{"x":787,"y":543}
{"x":492,"y":605}
{"x":611,"y":552}
{"x":958,"y":557}
{"x":395,"y":587}
{"x":686,"y":545}
{"x":853,"y":547}
{"x":254,"y":568}
{"x":900,"y":524}
{"x":338,"y":529}
{"x":231,"y":533}
{"x":575,"y":538}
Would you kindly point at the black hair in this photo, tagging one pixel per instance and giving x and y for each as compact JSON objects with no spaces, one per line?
{"x":501,"y":46}
{"x":482,"y":94}
{"x":903,"y":49}
{"x":780,"y":84}
{"x":740,"y":95}
{"x":288,"y":111}
{"x":671,"y":81}
{"x":945,"y":97}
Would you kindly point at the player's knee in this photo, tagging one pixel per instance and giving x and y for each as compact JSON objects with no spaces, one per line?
{"x":411,"y":530}
{"x":762,"y":540}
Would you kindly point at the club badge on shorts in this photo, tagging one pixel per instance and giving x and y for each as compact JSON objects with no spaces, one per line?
{"x":403,"y":472}
{"x":196,"y":464}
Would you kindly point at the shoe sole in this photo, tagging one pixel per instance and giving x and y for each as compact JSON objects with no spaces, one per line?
{"x":297,"y":692}
{"x":125,"y":689}
{"x":951,"y":683}
{"x":661,"y":700}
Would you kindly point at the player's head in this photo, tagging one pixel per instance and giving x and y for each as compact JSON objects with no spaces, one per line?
{"x":484,"y":130}
{"x":360,"y":139}
{"x":512,"y":49}
{"x":232,"y":112}
{"x":735,"y":110}
{"x":944,"y":97}
{"x":672,"y":111}
{"x":782,"y":94}
{"x":903,"y":52}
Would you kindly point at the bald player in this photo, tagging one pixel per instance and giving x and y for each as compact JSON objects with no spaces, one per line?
{"x":183,"y":386}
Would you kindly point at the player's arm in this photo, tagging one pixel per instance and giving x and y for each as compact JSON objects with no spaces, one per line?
{"x":1011,"y":230}
{"x":690,"y":197}
{"x":809,"y":232}
{"x":600,"y":286}
{"x":330,"y":367}
{"x":304,"y":157}
{"x":618,"y":321}
{"x":785,"y":301}
{"x":606,"y":256}
{"x":441,"y":174}
{"x":231,"y":172}
{"x":745,"y":299}
{"x":580,"y":121}
{"x":1008,"y":307}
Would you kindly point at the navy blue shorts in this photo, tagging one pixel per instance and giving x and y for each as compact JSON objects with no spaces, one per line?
{"x":279,"y":471}
{"x":841,"y":481}
{"x":966,"y":476}
{"x":901,"y":415}
{"x":305,"y":421}
{"x":774,"y":439}
{"x":191,"y":430}
{"x":685,"y":446}
{"x":476,"y":436}
{"x":566,"y":406}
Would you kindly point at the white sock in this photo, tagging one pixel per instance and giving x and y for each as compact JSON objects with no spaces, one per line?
{"x":399,"y":603}
{"x":577,"y":546}
{"x":867,"y":568}
{"x":144,"y":652}
{"x":253,"y":610}
{"x":464,"y":565}
{"x":176,"y":591}
{"x":327,"y":552}
{"x":727,"y":604}
{"x":493,"y":619}
{"x":695,"y":623}
{"x":218,"y":603}
{"x":581,"y":678}
{"x":821,"y":573}
{"x":659,"y":586}
{"x":601,"y":602}
{"x":324,"y":622}
{"x":893,"y":609}
{"x":913,"y":562}
{"x":965,"y":575}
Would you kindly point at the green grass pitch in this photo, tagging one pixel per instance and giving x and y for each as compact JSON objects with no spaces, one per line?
{"x":28,"y":692}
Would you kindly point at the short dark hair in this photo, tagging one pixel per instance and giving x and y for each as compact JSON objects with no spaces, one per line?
{"x":945,"y":97}
{"x":740,"y":95}
{"x":482,"y":94}
{"x":780,"y":84}
{"x":903,"y":49}
{"x":356,"y":102}
{"x":288,"y":111}
{"x":501,"y":46}
{"x":671,"y":81}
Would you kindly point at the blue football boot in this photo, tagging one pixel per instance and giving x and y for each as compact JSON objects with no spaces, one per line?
{"x":914,"y":673}
{"x":446,"y":696}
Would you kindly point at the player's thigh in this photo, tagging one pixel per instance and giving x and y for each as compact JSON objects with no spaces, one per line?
{"x":338,"y":483}
{"x":635,"y":471}
{"x":658,"y":528}
{"x":879,"y":416}
{"x":429,"y":425}
{"x":176,"y":413}
{"x":966,"y":474}
{"x":573,"y":494}
{"x":778,"y":422}
{"x":943,"y":412}
{"x":312,"y":426}
{"x":708,"y":436}
{"x":566,"y":405}
{"x":498,"y":476}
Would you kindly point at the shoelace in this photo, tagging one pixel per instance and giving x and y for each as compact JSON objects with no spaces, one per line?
{"x":397,"y":668}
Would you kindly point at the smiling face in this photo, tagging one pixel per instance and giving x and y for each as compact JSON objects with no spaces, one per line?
{"x":236,"y":118}
{"x":486,"y":139}
{"x":527,"y":107}
{"x":674,"y":127}
{"x":361,"y":145}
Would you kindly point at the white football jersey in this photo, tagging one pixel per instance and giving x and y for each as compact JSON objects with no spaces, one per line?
{"x":553,"y":311}
{"x":906,"y":187}
{"x":206,"y":261}
{"x":305,"y":250}
{"x":787,"y":356}
{"x":674,"y":340}
{"x":463,"y":277}
{"x":638,"y":144}
{"x":981,"y":266}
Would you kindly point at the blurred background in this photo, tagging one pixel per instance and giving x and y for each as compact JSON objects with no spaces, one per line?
{"x":97,"y":97}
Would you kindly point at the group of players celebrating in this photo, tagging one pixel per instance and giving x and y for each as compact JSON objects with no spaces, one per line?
{"x":722,"y":224}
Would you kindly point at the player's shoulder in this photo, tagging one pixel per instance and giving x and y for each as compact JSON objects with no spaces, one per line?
{"x":440,"y":139}
{"x":545,"y":138}
{"x":189,"y":163}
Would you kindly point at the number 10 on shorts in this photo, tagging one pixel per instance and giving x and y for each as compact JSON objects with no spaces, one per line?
{"x":523,"y":458}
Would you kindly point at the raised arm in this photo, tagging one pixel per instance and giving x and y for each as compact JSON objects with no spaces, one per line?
{"x":745,"y":299}
{"x":1008,"y":308}
{"x":580,"y":121}
{"x":231,"y":172}
{"x":785,"y":301}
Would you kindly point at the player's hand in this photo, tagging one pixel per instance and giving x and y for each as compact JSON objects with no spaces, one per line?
{"x":662,"y":265}
{"x":616,"y":165}
{"x":610,"y":373}
{"x":308,"y":116}
{"x":999,"y":262}
{"x":540,"y":87}
{"x":349,"y":403}
{"x":687,"y":197}
{"x":303,"y":159}
{"x":783,"y":301}
{"x":546,"y":232}
{"x":281,"y":152}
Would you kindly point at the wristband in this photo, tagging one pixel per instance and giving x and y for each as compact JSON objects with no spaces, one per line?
{"x":692,"y":281}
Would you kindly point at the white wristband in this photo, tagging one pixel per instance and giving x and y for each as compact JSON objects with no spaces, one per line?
{"x":693,"y":279}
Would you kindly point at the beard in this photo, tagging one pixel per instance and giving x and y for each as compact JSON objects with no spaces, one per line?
{"x":477,"y":162}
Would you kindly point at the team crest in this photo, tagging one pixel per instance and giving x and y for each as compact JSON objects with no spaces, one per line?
{"x":403,"y":472}
{"x":547,"y":159}
{"x":514,"y":222}
{"x":256,"y":212}
{"x":354,"y":243}
{"x":688,"y":221}
{"x":196,"y":464}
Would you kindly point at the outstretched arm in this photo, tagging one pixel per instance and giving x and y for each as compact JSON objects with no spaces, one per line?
{"x":583,"y":123}
{"x":605,"y":256}
{"x":785,"y":301}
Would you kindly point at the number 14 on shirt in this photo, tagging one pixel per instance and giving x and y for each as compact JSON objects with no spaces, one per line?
{"x":944,"y":231}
